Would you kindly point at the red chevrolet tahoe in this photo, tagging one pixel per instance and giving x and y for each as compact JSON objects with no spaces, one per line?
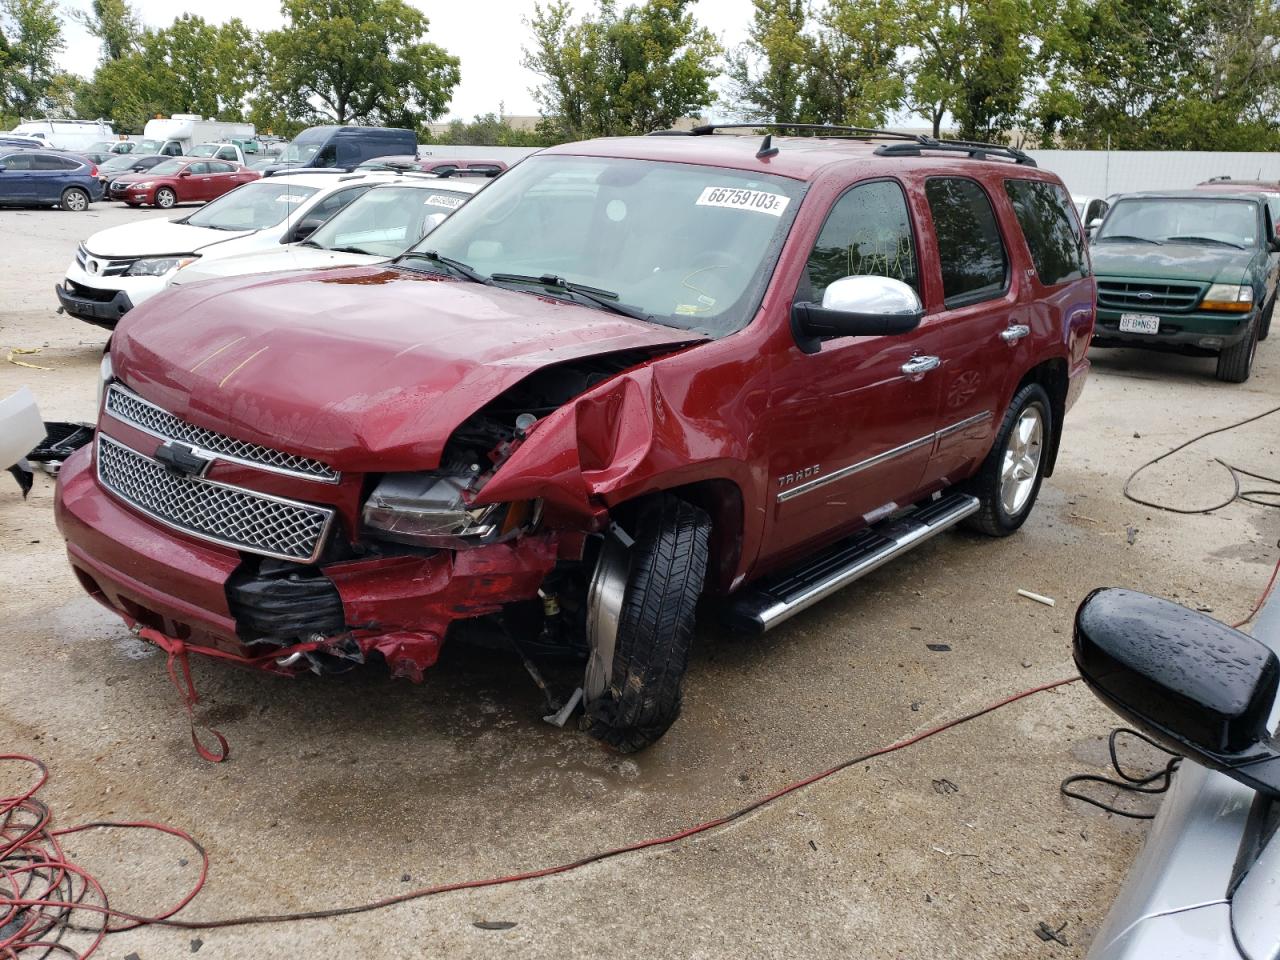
{"x":629,"y":373}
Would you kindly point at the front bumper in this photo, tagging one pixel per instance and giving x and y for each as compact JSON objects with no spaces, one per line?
{"x":1206,"y":333}
{"x":103,"y":308}
{"x":128,"y":193}
{"x":400,"y":606}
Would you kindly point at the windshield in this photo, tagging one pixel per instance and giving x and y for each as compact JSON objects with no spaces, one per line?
{"x":298,"y":152}
{"x":254,"y":206}
{"x":690,"y":246}
{"x":1210,"y":222}
{"x":123,"y":161}
{"x":168,"y":168}
{"x":203,"y":150}
{"x":102,"y":146}
{"x":148,"y":146}
{"x":386,"y":220}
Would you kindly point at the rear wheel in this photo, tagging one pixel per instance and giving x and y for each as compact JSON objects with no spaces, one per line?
{"x":165,"y":198}
{"x":1236,"y":362}
{"x":640,"y":625}
{"x":75,"y":200}
{"x":1009,"y":481}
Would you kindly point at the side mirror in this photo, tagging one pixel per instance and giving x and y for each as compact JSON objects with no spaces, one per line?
{"x":1202,"y":689}
{"x":306,"y":226}
{"x":864,"y":306}
{"x":184,"y":172}
{"x":3,"y":168}
{"x":1273,"y":244}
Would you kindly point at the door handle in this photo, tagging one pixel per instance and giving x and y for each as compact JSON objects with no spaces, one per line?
{"x":918,"y":366}
{"x":1015,"y":332}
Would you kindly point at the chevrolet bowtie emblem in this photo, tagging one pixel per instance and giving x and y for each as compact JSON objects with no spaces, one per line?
{"x":183,"y":458}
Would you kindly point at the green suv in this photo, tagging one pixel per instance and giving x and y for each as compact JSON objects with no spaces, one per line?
{"x":1188,"y":271}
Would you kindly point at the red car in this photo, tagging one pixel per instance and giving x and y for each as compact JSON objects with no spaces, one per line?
{"x":627,"y":373}
{"x":180,"y":180}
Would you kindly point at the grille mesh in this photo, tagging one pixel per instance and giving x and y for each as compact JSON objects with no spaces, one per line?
{"x":131,"y":408}
{"x":236,"y":518}
{"x":1138,"y":295}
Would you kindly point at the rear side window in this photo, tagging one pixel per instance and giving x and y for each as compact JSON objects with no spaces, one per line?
{"x":974,"y":263}
{"x":867,"y":232}
{"x":1057,"y":248}
{"x":221,"y":168}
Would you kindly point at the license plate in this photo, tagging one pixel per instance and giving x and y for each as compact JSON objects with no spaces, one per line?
{"x":1139,"y":323}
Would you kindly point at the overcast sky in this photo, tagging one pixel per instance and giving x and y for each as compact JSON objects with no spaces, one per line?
{"x":486,"y":36}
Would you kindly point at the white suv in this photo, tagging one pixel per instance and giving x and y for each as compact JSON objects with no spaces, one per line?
{"x":376,"y":227}
{"x":118,"y":268}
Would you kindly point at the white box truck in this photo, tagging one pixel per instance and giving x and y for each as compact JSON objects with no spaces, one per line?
{"x":66,"y":134}
{"x":176,"y":135}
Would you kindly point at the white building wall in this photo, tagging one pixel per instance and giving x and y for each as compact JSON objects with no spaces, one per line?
{"x":1100,"y":173}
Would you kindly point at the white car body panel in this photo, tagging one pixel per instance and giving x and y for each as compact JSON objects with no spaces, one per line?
{"x":288,"y":257}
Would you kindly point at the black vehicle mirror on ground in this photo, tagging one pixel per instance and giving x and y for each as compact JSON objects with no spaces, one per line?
{"x":1196,"y":685}
{"x":863,"y":306}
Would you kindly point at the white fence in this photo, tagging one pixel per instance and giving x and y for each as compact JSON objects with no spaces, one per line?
{"x":1100,"y":173}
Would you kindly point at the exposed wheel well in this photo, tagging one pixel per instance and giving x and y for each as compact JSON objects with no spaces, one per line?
{"x":722,"y":501}
{"x":1052,"y":375}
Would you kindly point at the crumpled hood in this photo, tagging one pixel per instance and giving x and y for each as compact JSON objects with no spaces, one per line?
{"x":1173,"y":261}
{"x":364,"y":369}
{"x":289,"y":256}
{"x":148,"y":238}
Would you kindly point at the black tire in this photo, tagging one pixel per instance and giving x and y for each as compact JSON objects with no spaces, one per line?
{"x":1235,"y":363}
{"x":993,"y":518}
{"x":165,"y":198}
{"x":1264,"y":326}
{"x":655,"y":627}
{"x":74,"y":199}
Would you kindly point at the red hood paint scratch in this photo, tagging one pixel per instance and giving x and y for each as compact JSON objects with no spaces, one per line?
{"x":354,"y":367}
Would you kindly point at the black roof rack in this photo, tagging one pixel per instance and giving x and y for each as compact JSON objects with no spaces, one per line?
{"x":909,"y":145}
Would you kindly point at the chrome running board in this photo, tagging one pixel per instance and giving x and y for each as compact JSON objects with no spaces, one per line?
{"x":776,"y":599}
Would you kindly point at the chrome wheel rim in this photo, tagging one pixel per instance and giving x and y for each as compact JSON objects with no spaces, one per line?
{"x":76,"y":202}
{"x":1022,"y":455}
{"x":164,"y":199}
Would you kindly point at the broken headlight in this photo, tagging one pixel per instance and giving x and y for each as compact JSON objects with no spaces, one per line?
{"x":430,"y":510}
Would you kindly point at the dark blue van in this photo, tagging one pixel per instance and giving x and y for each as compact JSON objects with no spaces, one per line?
{"x":38,"y":178}
{"x":343,"y":148}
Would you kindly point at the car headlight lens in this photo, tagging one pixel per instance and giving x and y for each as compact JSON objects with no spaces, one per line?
{"x":1236,"y":298}
{"x":430,"y":510}
{"x":158,"y":266}
{"x":105,"y":374}
{"x":143,"y":185}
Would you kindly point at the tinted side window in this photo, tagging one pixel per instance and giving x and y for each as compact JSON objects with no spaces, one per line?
{"x":867,"y":232}
{"x":335,"y":202}
{"x":197,"y":169}
{"x":43,"y":161}
{"x":974,"y":264}
{"x":221,"y":168}
{"x":1043,"y":213}
{"x":17,"y":161}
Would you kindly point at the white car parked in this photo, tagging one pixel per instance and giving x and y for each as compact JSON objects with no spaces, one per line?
{"x":374,"y":228}
{"x":118,"y":268}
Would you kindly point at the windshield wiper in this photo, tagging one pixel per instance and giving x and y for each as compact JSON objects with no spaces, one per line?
{"x":457,"y":266}
{"x":359,"y":250}
{"x":602,"y":298}
{"x":1192,"y":238}
{"x":1130,"y":237}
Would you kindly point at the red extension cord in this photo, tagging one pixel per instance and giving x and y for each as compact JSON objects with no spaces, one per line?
{"x":40,"y":889}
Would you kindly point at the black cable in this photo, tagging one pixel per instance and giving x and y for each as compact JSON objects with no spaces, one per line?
{"x":1155,"y":783}
{"x":1235,"y":472}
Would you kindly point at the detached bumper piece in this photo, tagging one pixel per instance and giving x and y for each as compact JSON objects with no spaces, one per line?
{"x":281,"y":602}
{"x":103,"y":308}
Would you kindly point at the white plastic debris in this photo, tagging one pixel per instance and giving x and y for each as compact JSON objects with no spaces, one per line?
{"x":1047,"y":601}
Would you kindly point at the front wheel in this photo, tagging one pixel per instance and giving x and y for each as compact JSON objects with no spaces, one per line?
{"x":1009,"y":481}
{"x":640,"y":624}
{"x":75,"y":200}
{"x":1235,"y":363}
{"x":165,"y":198}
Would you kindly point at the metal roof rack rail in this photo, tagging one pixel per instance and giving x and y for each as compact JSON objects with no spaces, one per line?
{"x":972,"y":148}
{"x":707,"y":129}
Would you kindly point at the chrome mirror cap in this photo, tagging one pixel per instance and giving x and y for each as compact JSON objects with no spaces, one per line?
{"x":882,"y":296}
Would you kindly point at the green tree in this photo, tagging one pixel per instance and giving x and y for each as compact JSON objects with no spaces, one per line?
{"x":768,"y":74}
{"x":35,"y":33}
{"x":974,"y":61}
{"x":115,"y":25}
{"x":189,"y":66}
{"x":490,"y":130}
{"x":858,"y":77}
{"x":1160,"y":74}
{"x":617,"y":73}
{"x":351,"y":60}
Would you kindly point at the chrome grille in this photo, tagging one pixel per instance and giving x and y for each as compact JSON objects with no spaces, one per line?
{"x":1144,"y":295}
{"x":230,"y":516}
{"x":124,"y":404}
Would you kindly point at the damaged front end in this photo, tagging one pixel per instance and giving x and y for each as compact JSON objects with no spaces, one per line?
{"x":402,"y":557}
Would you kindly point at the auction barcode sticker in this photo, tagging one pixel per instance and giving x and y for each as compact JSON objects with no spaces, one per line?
{"x":290,"y":198}
{"x":450,"y":200}
{"x":740,"y":199}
